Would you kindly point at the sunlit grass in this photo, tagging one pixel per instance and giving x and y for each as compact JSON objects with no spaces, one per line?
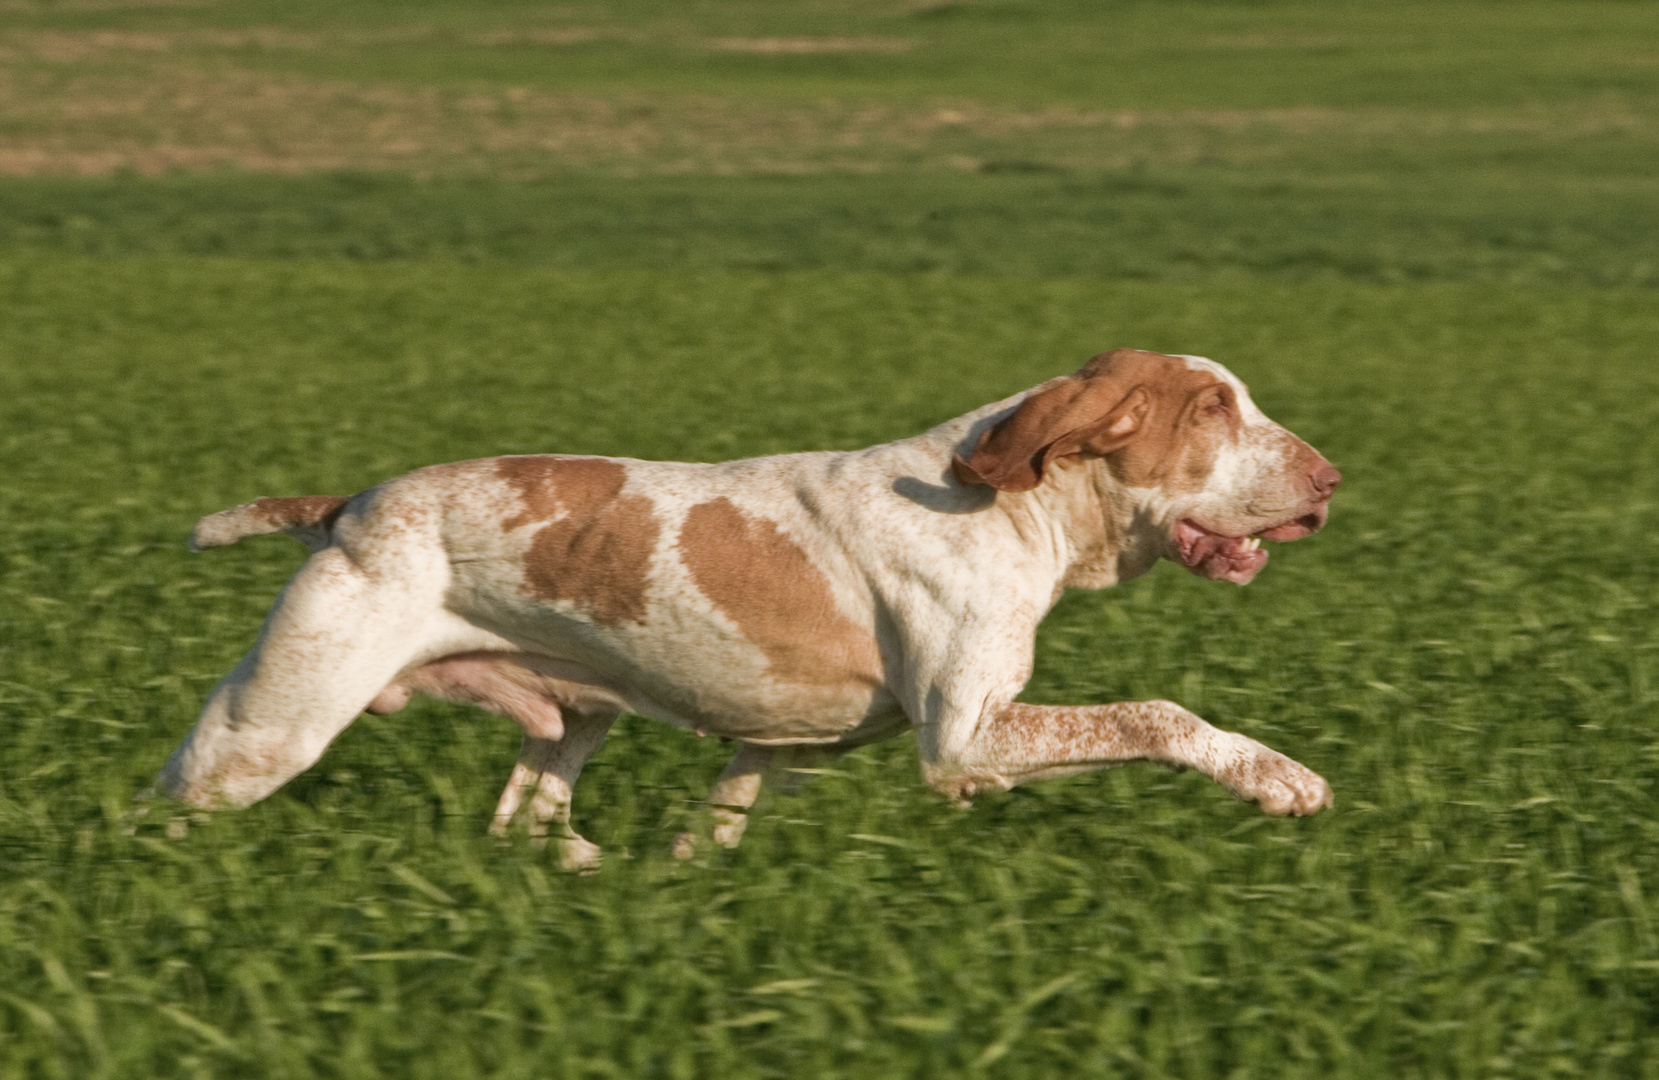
{"x":1467,"y":653}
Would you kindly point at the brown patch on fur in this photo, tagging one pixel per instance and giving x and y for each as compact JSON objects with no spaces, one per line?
{"x":1083,"y":414}
{"x":764,"y":582}
{"x":595,"y":550}
{"x":1176,"y":447}
{"x":548,"y":484}
{"x":300,"y":511}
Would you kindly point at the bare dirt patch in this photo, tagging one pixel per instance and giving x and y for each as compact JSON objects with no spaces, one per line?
{"x":809,"y":45}
{"x":172,"y":110}
{"x":36,"y":6}
{"x":556,"y":37}
{"x":84,"y":46}
{"x":1282,"y":39}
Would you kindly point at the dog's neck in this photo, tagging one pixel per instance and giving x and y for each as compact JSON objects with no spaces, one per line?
{"x":1097,"y":530}
{"x":1102,"y":531}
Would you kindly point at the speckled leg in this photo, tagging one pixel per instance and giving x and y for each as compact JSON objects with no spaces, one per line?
{"x":549,"y":769}
{"x":1019,"y":742}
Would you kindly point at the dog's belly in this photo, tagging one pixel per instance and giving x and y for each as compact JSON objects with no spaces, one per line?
{"x":686,"y":668}
{"x":716,"y":694}
{"x":716,"y":686}
{"x":761,"y":713}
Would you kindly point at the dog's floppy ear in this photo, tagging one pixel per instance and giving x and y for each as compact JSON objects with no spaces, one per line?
{"x":1095,"y":411}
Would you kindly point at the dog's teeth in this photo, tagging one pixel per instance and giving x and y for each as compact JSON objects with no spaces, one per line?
{"x":1252,"y":544}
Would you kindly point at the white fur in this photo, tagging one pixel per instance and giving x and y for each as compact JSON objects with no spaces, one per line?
{"x":950,"y":581}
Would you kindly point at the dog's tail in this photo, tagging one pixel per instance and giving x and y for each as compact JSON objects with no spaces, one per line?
{"x":308,"y":519}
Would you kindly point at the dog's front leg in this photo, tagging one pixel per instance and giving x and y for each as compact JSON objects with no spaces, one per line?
{"x":729,"y":801}
{"x":1013,"y":742}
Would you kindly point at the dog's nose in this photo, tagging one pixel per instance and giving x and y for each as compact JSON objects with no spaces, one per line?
{"x":1325,"y":479}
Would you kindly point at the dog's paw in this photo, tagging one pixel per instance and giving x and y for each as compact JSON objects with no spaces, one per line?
{"x":722,"y":826}
{"x":1275,"y":783}
{"x":578,"y":855}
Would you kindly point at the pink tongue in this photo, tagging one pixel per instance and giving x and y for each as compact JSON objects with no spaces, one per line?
{"x":1219,"y":558}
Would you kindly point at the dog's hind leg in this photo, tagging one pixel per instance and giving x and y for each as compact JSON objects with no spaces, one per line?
{"x":549,"y":768}
{"x":532,"y":757}
{"x":338,"y":634}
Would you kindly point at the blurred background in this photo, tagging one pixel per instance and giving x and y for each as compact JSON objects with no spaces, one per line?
{"x":1495,"y":141}
{"x":296,"y":248}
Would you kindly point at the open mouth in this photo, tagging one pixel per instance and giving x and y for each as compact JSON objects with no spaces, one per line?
{"x":1234,"y":558}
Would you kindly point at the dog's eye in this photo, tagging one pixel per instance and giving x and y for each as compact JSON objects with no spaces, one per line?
{"x":1217,"y":407}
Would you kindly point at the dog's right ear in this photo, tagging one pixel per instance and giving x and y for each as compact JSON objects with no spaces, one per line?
{"x":1092,"y":412}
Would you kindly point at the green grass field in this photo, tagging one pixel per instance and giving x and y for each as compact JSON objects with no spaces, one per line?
{"x":251,"y":248}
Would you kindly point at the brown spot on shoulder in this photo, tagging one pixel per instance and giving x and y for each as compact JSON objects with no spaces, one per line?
{"x":762,"y":580}
{"x":594,"y":552}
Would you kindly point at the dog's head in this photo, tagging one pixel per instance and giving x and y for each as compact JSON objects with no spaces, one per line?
{"x":1180,"y":435}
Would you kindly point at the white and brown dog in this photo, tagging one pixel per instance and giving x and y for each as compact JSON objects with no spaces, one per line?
{"x":801,"y":605}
